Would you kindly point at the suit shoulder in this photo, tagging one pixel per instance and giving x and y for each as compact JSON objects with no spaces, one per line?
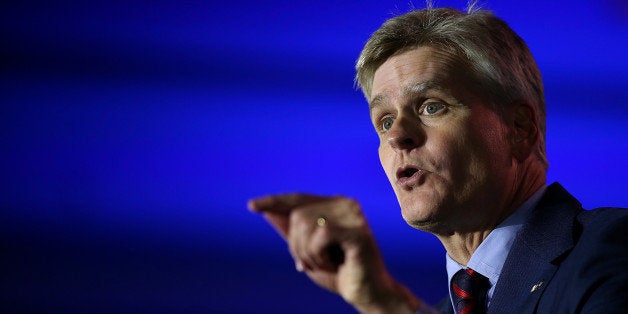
{"x":604,"y":213}
{"x":592,"y":277}
{"x":602,"y":256}
{"x":604,"y":221}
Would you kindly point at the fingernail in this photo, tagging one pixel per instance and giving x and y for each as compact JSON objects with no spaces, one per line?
{"x":251,"y":205}
{"x":298,"y":266}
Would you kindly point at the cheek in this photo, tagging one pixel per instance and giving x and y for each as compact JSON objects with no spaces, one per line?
{"x":460,"y":160}
{"x":385,"y":159}
{"x":483,"y":152}
{"x":492,"y":139}
{"x":447,"y":151}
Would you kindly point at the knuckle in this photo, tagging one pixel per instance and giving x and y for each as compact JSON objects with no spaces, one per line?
{"x":297,"y":217}
{"x":348,"y":204}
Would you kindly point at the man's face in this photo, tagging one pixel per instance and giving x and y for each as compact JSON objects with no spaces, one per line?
{"x":444,"y":151}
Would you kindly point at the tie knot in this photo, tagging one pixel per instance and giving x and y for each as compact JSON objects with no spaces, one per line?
{"x":469,"y":290}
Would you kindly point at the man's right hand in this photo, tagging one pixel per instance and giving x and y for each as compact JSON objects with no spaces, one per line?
{"x":330,"y":240}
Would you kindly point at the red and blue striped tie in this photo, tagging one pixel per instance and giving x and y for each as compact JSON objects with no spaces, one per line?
{"x":468,"y":290}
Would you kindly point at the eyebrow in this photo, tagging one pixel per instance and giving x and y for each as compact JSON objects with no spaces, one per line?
{"x":377,"y":101}
{"x":408,"y":91}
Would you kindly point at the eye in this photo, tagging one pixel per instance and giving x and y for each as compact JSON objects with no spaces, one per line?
{"x":432,"y":108}
{"x":387,"y":123}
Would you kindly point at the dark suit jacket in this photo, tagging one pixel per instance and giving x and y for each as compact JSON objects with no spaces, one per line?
{"x":565,"y":260}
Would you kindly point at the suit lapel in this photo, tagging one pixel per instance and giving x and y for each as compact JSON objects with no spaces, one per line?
{"x":536,"y":252}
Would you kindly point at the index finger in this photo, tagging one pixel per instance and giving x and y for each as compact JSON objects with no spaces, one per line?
{"x":282,"y":203}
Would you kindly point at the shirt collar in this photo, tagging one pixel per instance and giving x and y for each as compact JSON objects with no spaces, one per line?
{"x":489,"y":258}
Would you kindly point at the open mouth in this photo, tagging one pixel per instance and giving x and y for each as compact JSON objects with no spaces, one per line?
{"x":409,"y":177}
{"x":409,"y":172}
{"x":406,"y":172}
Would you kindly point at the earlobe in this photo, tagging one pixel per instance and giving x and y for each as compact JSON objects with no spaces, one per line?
{"x":525,"y":135}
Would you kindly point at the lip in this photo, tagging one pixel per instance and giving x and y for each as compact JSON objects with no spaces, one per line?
{"x":409,"y":182}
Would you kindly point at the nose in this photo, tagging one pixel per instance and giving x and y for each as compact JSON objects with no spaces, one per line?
{"x":405,"y":134}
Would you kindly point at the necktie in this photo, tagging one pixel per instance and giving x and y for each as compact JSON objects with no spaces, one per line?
{"x":468,"y":289}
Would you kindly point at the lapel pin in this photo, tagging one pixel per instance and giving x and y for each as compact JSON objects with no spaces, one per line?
{"x":537,"y":286}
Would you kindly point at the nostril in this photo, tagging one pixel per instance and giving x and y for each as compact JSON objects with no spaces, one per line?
{"x":408,"y":141}
{"x":405,"y":136}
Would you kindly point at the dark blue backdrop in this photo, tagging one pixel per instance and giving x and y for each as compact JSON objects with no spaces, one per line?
{"x":133,"y":133}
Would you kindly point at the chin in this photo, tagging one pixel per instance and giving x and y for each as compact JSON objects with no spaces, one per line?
{"x":433,"y":225}
{"x":424,"y":213}
{"x":419,"y":217}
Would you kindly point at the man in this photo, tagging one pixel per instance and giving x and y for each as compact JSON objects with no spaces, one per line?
{"x":457,"y":102}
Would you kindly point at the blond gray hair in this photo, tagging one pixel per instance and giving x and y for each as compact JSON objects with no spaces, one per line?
{"x":497,"y":61}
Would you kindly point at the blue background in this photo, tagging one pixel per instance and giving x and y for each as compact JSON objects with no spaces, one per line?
{"x":133,"y":133}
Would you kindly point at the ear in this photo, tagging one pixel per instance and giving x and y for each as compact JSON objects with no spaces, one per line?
{"x":524,"y":136}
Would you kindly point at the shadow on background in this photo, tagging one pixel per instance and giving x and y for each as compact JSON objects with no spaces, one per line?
{"x":133,"y":134}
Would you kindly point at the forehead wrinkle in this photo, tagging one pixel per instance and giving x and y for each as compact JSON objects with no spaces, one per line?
{"x":404,"y":70}
{"x":412,"y":91}
{"x":409,"y":91}
{"x":420,"y":88}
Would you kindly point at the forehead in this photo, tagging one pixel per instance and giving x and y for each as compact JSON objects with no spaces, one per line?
{"x":422,"y":66}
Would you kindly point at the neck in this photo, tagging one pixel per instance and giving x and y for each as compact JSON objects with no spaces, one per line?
{"x":460,"y":246}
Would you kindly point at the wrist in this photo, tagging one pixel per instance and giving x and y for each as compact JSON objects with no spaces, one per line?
{"x":393,"y":298}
